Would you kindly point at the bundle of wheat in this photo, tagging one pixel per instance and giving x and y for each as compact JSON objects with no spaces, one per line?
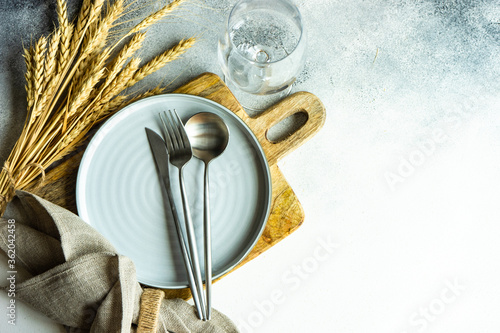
{"x":76,"y":78}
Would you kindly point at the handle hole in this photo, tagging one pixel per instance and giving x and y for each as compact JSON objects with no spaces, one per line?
{"x":286,"y":127}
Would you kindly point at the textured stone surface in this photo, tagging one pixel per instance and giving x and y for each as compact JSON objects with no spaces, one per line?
{"x":403,"y":176}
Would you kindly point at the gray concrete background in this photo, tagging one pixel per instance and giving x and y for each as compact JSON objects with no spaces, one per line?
{"x":404,"y":176}
{"x":378,"y":57}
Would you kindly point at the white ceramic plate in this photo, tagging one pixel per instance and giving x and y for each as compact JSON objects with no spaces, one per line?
{"x":118,"y":191}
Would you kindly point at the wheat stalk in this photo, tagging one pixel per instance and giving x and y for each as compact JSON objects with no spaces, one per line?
{"x":121,"y":101}
{"x":161,"y":60}
{"x":73,"y":82}
{"x":87,"y":69}
{"x":156,"y":16}
{"x":126,"y":53}
{"x":153,"y":92}
{"x":132,"y":74}
{"x":120,"y":82}
{"x":95,"y":41}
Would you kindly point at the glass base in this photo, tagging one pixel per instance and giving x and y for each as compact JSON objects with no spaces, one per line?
{"x":255,"y":104}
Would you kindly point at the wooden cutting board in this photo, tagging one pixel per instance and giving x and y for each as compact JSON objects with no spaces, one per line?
{"x":286,"y":212}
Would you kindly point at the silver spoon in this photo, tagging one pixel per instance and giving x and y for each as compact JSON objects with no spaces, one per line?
{"x":209,"y":136}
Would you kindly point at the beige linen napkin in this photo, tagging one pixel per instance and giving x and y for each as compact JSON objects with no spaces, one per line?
{"x":79,"y":280}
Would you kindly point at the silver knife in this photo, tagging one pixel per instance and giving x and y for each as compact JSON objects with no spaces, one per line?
{"x":160,"y":154}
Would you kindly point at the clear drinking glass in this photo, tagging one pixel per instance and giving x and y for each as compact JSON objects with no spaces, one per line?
{"x":262,"y":50}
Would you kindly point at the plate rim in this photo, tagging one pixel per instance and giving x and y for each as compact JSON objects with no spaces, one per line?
{"x":88,"y":153}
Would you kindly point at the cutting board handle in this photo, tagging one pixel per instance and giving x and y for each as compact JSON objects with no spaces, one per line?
{"x":300,"y":102}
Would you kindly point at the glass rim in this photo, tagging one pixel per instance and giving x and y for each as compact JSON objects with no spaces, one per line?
{"x":266,"y":64}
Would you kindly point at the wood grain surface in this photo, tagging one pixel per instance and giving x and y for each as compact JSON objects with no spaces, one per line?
{"x":286,"y":211}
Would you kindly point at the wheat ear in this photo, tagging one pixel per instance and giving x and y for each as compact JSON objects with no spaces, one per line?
{"x":161,"y":60}
{"x":88,"y":13}
{"x":126,"y":52}
{"x":97,"y":37}
{"x":29,"y":75}
{"x":111,"y":106}
{"x":84,"y":91}
{"x":51,"y":58}
{"x":65,"y":31}
{"x":119,"y":84}
{"x":38,"y":79}
{"x":156,"y":91}
{"x":156,"y":16}
{"x":92,"y":65}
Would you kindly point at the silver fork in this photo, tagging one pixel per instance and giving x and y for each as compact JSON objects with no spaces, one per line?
{"x":179,"y":149}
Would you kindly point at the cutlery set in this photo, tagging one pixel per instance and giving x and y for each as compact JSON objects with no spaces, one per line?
{"x":207,"y":139}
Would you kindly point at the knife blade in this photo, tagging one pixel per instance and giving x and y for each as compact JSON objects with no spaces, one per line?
{"x":160,"y":155}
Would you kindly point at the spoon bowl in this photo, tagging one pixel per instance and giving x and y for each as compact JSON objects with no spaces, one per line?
{"x":208,"y":135}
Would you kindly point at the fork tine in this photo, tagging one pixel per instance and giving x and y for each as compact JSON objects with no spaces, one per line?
{"x":182,"y":131}
{"x":175,"y":129}
{"x":174,"y":132}
{"x":166,"y":133}
{"x":172,"y":128}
